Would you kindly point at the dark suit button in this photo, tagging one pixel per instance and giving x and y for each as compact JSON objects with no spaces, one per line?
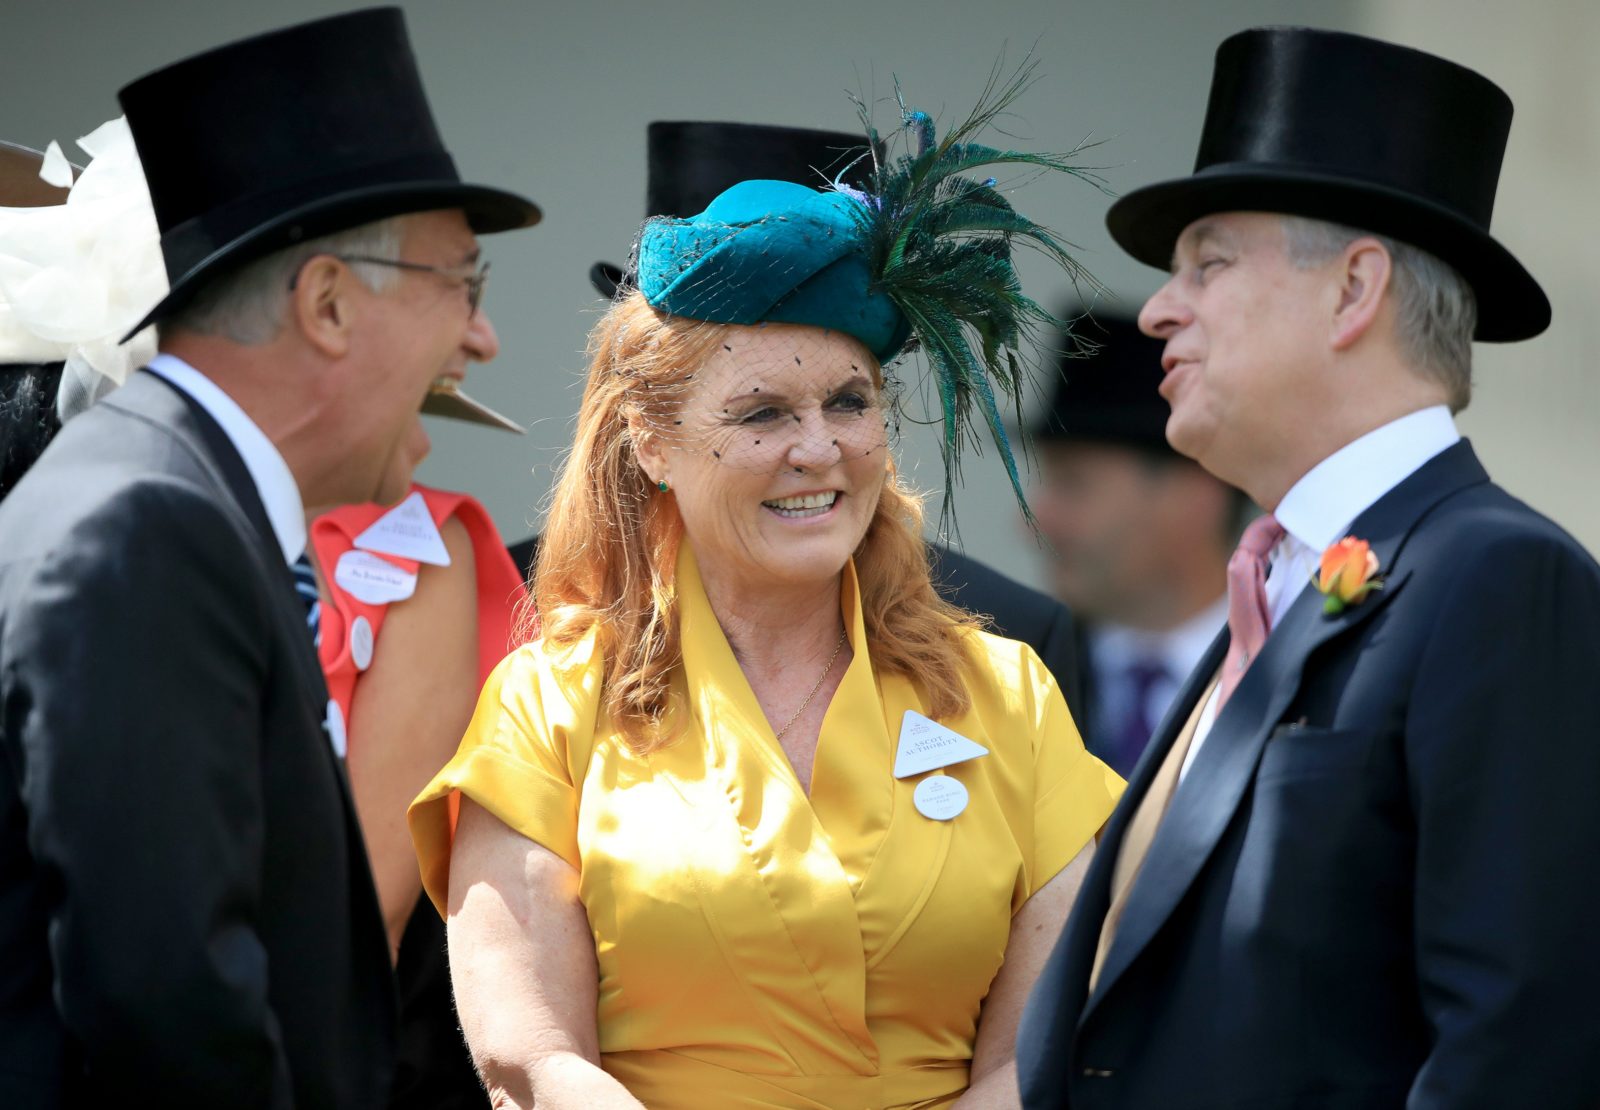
{"x":1098,"y":1073}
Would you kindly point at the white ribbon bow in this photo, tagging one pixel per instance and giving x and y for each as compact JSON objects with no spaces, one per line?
{"x":75,"y":277}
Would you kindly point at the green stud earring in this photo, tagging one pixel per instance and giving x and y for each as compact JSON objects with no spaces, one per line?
{"x":662,"y":485}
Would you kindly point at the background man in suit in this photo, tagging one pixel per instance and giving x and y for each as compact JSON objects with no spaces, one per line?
{"x":1353,"y":871}
{"x":689,"y":164}
{"x":1139,"y":535}
{"x":187,"y":917}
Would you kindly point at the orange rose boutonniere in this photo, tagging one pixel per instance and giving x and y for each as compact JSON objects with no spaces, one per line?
{"x":1349,"y":574}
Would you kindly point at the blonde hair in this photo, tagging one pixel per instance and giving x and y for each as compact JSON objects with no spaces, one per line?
{"x":610,"y":545}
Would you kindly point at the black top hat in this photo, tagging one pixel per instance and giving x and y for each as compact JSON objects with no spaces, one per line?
{"x":1359,"y":132}
{"x":1109,"y":395}
{"x":302,"y":132}
{"x":690,"y":163}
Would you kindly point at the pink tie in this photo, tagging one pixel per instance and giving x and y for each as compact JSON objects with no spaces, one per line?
{"x":1248,"y":618}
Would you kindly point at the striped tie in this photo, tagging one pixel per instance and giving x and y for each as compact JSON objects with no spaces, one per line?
{"x":305,"y":584}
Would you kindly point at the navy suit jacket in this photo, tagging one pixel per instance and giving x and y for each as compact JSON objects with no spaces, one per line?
{"x":1375,"y":886}
{"x":186,"y":914}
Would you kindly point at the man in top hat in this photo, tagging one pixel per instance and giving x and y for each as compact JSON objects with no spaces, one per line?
{"x":188,"y":917}
{"x":1350,"y":871}
{"x":689,"y":164}
{"x":1139,"y":536}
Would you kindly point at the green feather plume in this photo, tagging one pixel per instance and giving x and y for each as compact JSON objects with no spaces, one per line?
{"x":941,"y":243}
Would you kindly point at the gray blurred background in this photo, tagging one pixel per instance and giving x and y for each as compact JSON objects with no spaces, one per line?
{"x":552,"y":100}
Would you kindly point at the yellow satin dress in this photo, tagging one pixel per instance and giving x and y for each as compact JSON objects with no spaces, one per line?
{"x":758,"y":947}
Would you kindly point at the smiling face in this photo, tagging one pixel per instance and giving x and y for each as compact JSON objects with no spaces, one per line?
{"x":418,"y":329}
{"x":1245,"y":362}
{"x":776,"y":450}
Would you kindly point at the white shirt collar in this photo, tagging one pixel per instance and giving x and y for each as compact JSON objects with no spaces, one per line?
{"x":274,"y":482}
{"x":1178,"y":649}
{"x":1320,"y":507}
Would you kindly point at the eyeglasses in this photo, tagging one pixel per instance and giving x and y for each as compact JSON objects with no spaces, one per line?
{"x":475,"y":282}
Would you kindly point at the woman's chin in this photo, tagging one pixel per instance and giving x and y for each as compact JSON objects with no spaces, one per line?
{"x":803,"y":563}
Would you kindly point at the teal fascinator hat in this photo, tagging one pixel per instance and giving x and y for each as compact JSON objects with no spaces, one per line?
{"x":920,"y":259}
{"x":772,"y":251}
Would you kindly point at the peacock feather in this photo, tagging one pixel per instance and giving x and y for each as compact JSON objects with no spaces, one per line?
{"x":940,"y":241}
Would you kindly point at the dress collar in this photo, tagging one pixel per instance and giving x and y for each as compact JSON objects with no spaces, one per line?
{"x":707,"y":654}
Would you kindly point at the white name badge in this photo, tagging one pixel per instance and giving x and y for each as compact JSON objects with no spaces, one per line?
{"x":940,"y":797}
{"x":407,"y":530}
{"x":926,"y":745}
{"x":373,"y":579}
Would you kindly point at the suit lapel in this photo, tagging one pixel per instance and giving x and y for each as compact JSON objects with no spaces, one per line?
{"x":230,"y":466}
{"x":1070,"y":966}
{"x":151,"y":397}
{"x":1098,"y":882}
{"x":1211,"y":793}
{"x":1162,"y":739}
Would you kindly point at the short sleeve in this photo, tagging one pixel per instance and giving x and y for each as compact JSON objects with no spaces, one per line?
{"x":1074,"y":793}
{"x":523,"y":758}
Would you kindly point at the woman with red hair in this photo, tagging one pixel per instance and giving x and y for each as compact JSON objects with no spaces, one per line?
{"x":756,"y":818}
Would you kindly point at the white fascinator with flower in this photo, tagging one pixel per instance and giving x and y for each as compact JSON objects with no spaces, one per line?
{"x":75,"y":277}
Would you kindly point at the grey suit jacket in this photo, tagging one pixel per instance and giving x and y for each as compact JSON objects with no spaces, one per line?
{"x":186,"y":913}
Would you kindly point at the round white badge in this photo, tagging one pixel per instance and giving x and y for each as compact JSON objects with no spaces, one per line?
{"x":333,"y":723}
{"x":940,"y":797}
{"x":361,"y":643}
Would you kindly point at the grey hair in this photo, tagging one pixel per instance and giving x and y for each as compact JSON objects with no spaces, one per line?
{"x":1435,"y":310}
{"x":248,"y":305}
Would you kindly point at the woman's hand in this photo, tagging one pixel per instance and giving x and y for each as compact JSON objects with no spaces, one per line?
{"x":523,"y":964}
{"x":1034,"y":930}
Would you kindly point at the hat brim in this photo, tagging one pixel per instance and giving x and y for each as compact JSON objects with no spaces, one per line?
{"x":487,"y":211}
{"x":1511,"y":305}
{"x":1102,"y":424}
{"x":454,"y":404}
{"x":607,"y":278}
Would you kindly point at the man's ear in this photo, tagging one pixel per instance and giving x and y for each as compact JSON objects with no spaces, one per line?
{"x":322,"y":304}
{"x":1364,"y":271}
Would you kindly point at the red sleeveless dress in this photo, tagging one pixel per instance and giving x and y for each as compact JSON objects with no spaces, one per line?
{"x":370,"y":557}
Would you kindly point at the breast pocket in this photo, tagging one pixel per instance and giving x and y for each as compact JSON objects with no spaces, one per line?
{"x":1296,"y":751}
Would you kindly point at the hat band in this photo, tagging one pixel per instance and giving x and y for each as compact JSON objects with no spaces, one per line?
{"x":1292,"y":173}
{"x":187,"y":244}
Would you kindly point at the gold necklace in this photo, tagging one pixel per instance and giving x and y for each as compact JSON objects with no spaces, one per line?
{"x":837,"y":648}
